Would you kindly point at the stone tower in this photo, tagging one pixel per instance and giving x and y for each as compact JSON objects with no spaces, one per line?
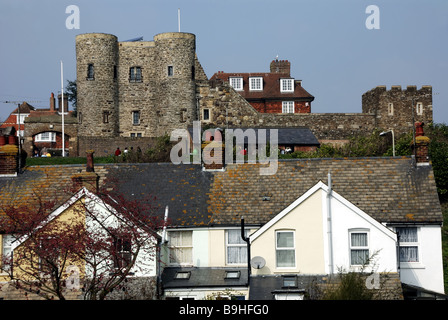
{"x":96,"y":68}
{"x":397,"y":109}
{"x":135,"y":88}
{"x":175,"y":71}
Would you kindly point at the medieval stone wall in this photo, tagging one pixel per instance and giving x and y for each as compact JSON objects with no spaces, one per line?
{"x":398,"y":109}
{"x":229,"y":109}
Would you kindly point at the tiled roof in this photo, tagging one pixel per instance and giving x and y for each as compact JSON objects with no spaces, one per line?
{"x":388,"y":189}
{"x":203,"y":277}
{"x":271,"y":86}
{"x":294,"y":135}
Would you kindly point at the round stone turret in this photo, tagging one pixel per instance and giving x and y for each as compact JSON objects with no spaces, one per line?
{"x":96,"y":73}
{"x":175,"y":70}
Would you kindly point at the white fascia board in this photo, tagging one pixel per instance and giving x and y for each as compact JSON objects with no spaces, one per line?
{"x":322,"y":186}
{"x":288,"y":209}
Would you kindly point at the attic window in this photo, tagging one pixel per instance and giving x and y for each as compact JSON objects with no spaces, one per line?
{"x":256,"y":83}
{"x":232,"y":274}
{"x":236,"y":83}
{"x":183,"y":275}
{"x":286,"y":85}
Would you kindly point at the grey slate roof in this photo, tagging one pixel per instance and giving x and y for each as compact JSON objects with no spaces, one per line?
{"x":203,"y":277}
{"x":286,"y":136}
{"x":391,"y":190}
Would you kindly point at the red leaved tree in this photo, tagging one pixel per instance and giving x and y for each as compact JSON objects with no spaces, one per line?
{"x":86,"y":248}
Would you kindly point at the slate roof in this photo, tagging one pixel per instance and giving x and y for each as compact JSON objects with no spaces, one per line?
{"x":313,"y":286}
{"x":203,"y":277}
{"x":391,"y":190}
{"x":286,"y":136}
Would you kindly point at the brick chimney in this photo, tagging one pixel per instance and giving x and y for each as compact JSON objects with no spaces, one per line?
{"x":88,"y":179}
{"x":421,"y":145}
{"x":60,"y":103}
{"x":52,"y":102}
{"x":281,"y":66}
{"x":9,"y":156}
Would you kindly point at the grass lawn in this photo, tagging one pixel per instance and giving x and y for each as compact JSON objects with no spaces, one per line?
{"x":42,"y":161}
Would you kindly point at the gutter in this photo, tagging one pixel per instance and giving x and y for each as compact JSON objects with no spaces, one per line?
{"x":247,"y":240}
{"x":329,"y":225}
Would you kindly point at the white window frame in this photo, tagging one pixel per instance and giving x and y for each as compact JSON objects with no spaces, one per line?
{"x":242,"y":245}
{"x":408,"y":244}
{"x":288,"y":107}
{"x":7,"y":240}
{"x":256,"y":83}
{"x":359,"y":247}
{"x":287,"y":85}
{"x":41,"y":138}
{"x":280,"y":249}
{"x":180,"y":247}
{"x":236,"y":83}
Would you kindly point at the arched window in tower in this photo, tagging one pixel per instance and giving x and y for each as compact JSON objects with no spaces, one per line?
{"x":135,"y":74}
{"x":90,"y":72}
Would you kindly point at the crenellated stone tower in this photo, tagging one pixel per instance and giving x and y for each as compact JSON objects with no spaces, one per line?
{"x":136,"y":88}
{"x":398,"y":109}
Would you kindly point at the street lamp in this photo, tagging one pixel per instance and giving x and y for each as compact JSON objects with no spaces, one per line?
{"x":393,"y":139}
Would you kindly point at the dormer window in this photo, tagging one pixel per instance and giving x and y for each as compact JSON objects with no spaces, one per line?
{"x":286,"y":85}
{"x":236,"y":83}
{"x":256,"y":83}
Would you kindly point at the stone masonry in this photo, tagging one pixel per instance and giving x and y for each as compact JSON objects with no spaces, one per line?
{"x":145,"y":89}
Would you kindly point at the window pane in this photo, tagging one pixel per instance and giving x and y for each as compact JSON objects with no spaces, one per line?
{"x":359,"y":239}
{"x":285,"y":258}
{"x":407,"y":234}
{"x":408,"y":254}
{"x":285,"y":240}
{"x":236,"y":255}
{"x":234,"y":237}
{"x":359,"y":257}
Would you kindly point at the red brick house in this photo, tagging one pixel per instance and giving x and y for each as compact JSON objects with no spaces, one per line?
{"x":273,"y":92}
{"x":24,"y":111}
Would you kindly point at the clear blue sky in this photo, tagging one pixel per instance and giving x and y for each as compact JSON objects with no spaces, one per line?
{"x":330,"y":48}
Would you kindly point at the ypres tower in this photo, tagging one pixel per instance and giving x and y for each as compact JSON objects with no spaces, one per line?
{"x":135,"y":88}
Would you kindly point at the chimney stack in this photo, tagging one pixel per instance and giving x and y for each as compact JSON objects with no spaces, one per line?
{"x":9,"y":153}
{"x":60,"y":103}
{"x":421,"y":145}
{"x":52,"y":102}
{"x":281,"y":66}
{"x":88,"y":179}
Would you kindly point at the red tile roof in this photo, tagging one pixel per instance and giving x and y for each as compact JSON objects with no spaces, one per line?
{"x":271,"y":86}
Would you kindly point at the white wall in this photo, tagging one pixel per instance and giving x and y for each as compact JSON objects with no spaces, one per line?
{"x":382,"y":241}
{"x":428,"y":272}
